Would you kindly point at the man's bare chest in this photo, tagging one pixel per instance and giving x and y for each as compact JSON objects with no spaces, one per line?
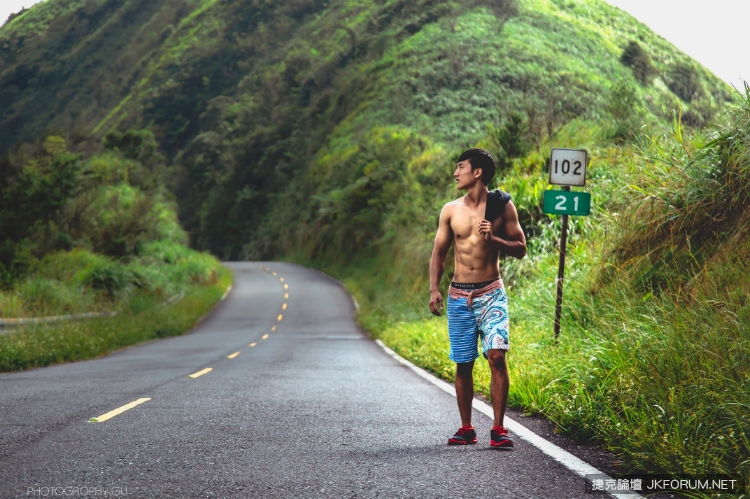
{"x":465,"y":222}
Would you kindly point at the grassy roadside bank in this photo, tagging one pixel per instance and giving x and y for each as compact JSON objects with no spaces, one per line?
{"x":89,"y":227}
{"x":654,"y":358}
{"x":42,"y":345}
{"x":634,"y":380}
{"x":660,"y":384}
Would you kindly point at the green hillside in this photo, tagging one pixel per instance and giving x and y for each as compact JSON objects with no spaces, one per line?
{"x":244,"y":97}
{"x":325,"y":132}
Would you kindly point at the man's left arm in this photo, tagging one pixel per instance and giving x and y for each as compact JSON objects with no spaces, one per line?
{"x":511,"y":239}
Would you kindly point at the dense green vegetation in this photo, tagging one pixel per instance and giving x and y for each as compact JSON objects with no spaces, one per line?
{"x":324,"y":131}
{"x":653,"y":357}
{"x":91,"y":228}
{"x":145,"y":318}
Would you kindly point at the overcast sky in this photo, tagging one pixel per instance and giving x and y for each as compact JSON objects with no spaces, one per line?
{"x":713,"y":33}
{"x":710,"y":32}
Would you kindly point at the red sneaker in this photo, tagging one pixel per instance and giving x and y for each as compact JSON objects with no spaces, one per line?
{"x":499,"y":438}
{"x":464,"y":435}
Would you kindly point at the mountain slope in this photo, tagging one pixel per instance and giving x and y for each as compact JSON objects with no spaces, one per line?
{"x":243,"y":95}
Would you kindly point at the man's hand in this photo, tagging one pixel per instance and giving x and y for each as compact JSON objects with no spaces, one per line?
{"x":485,"y":228}
{"x":436,"y":302}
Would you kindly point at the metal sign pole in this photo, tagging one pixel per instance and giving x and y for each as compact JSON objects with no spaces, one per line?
{"x":561,"y":270}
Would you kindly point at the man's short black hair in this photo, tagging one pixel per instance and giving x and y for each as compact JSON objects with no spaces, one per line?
{"x":479,"y":158}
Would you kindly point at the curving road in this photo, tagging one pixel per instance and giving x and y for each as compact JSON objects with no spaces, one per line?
{"x":315,"y":409}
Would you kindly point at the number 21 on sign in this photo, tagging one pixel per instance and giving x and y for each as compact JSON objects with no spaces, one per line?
{"x":561,"y":204}
{"x":566,"y":203}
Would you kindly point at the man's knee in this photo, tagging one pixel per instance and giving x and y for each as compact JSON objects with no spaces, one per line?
{"x":496,"y":358}
{"x":464,"y":368}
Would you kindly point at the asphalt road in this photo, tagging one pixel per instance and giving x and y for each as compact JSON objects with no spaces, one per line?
{"x":314,"y":410}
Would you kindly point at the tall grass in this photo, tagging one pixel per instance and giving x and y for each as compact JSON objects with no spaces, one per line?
{"x":672,"y":356}
{"x":693,"y":193}
{"x":80,"y":281}
{"x":70,"y":282}
{"x":654,"y":358}
{"x":42,"y":345}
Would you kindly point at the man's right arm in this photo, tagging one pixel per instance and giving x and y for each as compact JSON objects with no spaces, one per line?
{"x":443,"y":240}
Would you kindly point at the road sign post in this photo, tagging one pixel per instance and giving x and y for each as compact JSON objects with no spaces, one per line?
{"x":566,"y":167}
{"x":561,"y":271}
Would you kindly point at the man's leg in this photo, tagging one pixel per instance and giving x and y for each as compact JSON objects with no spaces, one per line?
{"x":498,"y":385}
{"x":465,"y":390}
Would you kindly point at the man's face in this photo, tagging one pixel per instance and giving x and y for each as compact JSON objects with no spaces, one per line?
{"x":465,"y":178}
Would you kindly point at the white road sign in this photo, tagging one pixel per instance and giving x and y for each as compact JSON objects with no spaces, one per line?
{"x":568,"y":166}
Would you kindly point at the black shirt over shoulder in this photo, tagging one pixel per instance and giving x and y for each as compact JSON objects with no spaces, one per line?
{"x":496,"y":201}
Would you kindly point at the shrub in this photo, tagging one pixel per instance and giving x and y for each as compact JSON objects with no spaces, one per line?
{"x":513,"y":137}
{"x":40,"y":188}
{"x":502,"y":8}
{"x":700,"y":114}
{"x":624,"y":106}
{"x":113,"y":219}
{"x":684,"y":82}
{"x":71,"y":267}
{"x":178,"y":265}
{"x":40,"y":295}
{"x":638,"y":60}
{"x":692,"y":195}
{"x":110,"y":277}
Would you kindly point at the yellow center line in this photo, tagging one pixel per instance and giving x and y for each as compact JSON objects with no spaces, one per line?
{"x":117,"y":411}
{"x":281,"y":279}
{"x":281,"y":316}
{"x":264,"y":336}
{"x":283,"y":307}
{"x":286,"y":295}
{"x":201,"y":372}
{"x":235,"y":354}
{"x":274,"y":273}
{"x":273,"y":328}
{"x":252,"y":344}
{"x":286,"y":286}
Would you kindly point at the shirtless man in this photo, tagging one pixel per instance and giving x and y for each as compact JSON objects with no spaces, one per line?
{"x":481,"y":225}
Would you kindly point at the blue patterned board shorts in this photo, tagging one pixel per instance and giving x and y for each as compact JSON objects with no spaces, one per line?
{"x":488,"y":319}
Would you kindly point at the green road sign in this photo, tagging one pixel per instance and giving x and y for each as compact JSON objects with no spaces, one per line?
{"x":567,"y":203}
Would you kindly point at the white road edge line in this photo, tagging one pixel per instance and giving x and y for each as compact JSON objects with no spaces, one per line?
{"x":574,"y":464}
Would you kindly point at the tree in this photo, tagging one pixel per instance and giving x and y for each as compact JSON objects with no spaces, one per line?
{"x":513,"y":138}
{"x":684,"y":81}
{"x":638,"y":60}
{"x":624,"y":106}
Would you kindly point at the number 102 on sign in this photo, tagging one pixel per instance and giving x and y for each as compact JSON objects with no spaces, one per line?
{"x":568,"y":166}
{"x":566,"y":203}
